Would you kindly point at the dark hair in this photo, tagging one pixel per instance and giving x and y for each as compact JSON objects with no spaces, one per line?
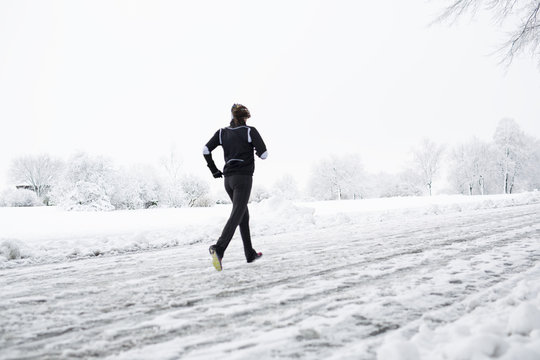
{"x":240,"y":113}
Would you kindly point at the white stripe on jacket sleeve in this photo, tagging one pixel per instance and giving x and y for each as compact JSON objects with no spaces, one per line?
{"x":264,"y":155}
{"x":205,"y":151}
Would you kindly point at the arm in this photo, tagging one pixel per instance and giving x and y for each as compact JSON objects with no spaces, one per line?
{"x":258,"y":143}
{"x":207,"y":153}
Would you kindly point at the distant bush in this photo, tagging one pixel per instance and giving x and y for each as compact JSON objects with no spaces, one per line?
{"x":19,"y":198}
{"x":194,"y":191}
{"x":94,"y":183}
{"x":258,"y":194}
{"x":85,"y":184}
{"x":135,"y":188}
{"x":87,"y":196}
{"x":204,"y":201}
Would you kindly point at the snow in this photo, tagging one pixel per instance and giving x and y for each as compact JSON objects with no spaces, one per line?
{"x":446,"y":277}
{"x":524,"y":319}
{"x":398,"y":350}
{"x":501,"y":329}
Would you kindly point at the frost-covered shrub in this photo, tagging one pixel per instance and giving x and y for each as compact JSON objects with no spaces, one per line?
{"x":400,"y":190}
{"x":126,"y":195}
{"x":259,"y":193}
{"x":171,"y":195}
{"x":204,"y":201}
{"x":135,"y":188}
{"x":85,"y":184}
{"x":87,"y":196}
{"x":19,"y":198}
{"x":185,"y":191}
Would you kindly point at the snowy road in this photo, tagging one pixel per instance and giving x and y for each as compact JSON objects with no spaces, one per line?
{"x":331,"y":292}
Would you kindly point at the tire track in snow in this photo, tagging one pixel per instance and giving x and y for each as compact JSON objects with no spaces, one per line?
{"x":404,"y":250}
{"x":245,"y":315}
{"x":500,"y":234}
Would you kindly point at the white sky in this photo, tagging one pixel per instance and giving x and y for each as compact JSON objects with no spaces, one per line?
{"x":135,"y":79}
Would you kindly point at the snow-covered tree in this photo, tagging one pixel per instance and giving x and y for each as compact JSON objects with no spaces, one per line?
{"x":86,"y":183}
{"x":338,"y":177}
{"x":531,"y":169}
{"x":427,"y":159}
{"x":523,"y":15}
{"x":171,"y":191}
{"x":37,"y":172}
{"x":471,"y":166}
{"x":287,"y":188}
{"x":195,"y":191}
{"x":511,"y":153}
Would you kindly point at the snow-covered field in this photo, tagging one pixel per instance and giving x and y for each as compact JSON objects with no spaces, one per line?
{"x":450,"y":277}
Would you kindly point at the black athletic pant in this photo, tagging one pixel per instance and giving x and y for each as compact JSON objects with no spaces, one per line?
{"x":239,"y":189}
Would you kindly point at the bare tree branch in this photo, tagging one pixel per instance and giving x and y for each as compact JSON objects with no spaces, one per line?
{"x":457,"y":9}
{"x":526,"y":36}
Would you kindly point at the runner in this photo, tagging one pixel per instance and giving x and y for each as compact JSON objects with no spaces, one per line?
{"x":239,"y":142}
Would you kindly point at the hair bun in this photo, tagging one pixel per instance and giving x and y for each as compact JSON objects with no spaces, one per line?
{"x":240,"y":112}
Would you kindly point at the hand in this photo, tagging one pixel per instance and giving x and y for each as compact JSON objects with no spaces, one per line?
{"x":217,"y":174}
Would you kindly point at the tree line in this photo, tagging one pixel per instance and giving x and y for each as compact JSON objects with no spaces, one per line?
{"x":509,"y":163}
{"x":86,"y":182}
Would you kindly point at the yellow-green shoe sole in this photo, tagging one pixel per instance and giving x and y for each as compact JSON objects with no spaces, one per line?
{"x":215,"y":261}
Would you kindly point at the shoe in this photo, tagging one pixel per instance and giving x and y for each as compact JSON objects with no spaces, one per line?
{"x":216,"y":259}
{"x":257,"y":256}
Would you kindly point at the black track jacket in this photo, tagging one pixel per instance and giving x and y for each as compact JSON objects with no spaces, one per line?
{"x":238,"y":144}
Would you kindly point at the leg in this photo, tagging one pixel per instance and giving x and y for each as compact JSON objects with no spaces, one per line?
{"x":239,"y":188}
{"x":246,"y":237}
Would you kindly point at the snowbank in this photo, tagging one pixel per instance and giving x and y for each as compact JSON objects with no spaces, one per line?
{"x":10,"y":250}
{"x":47,"y":234}
{"x":276,"y":215}
{"x":507,"y":329}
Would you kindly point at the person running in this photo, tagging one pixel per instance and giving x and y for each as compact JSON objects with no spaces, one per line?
{"x":239,"y":142}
